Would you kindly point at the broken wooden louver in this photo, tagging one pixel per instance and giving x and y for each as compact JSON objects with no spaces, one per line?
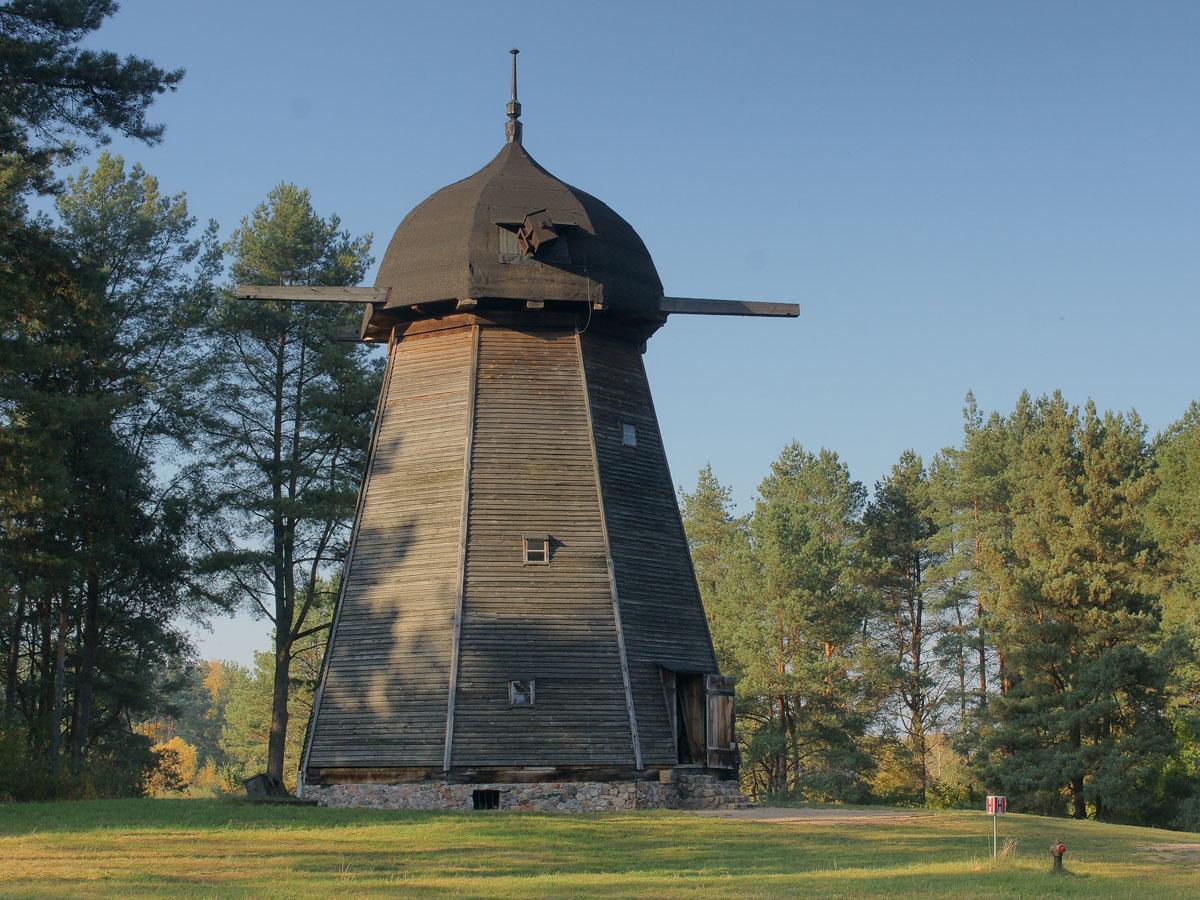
{"x":535,"y":231}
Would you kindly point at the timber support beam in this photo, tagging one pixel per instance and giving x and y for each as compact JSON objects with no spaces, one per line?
{"x":317,"y":293}
{"x":696,"y":306}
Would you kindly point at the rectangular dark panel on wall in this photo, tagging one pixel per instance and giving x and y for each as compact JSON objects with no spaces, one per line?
{"x":384,"y":698}
{"x":548,"y":626}
{"x":661,"y":613}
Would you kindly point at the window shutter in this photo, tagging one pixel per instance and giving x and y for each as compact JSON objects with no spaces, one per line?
{"x":722,"y":743}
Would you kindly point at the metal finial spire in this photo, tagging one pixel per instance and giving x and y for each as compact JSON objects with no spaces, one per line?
{"x":512,"y":127}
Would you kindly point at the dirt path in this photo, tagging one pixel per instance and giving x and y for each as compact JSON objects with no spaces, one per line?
{"x":811,"y":815}
{"x":1177,"y":853}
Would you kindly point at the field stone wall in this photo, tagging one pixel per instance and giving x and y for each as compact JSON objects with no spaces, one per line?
{"x":687,"y":792}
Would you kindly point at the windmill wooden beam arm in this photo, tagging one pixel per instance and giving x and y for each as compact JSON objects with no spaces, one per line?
{"x":696,"y":306}
{"x":318,"y":293}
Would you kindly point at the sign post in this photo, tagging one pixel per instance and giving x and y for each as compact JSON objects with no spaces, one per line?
{"x":995,"y":806}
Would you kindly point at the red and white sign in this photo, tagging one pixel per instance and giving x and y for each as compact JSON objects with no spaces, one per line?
{"x":996,"y":805}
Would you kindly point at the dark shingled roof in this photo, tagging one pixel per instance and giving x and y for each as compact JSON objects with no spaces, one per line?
{"x":449,"y":247}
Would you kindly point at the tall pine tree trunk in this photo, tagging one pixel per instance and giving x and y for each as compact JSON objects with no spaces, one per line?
{"x":917,"y":607}
{"x":45,"y":669}
{"x":1078,"y":804}
{"x":960,"y":649}
{"x":60,"y":683}
{"x":85,"y":692}
{"x":12,"y":663}
{"x":277,"y":740}
{"x":981,"y":649}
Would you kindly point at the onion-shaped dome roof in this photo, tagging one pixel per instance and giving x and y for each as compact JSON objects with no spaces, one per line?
{"x":514,"y":231}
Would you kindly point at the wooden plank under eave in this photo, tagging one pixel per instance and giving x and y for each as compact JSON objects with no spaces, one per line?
{"x":697,"y":306}
{"x":316,"y":293}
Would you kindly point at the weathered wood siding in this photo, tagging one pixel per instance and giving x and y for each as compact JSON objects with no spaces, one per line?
{"x":661,"y":613}
{"x":384,"y":698}
{"x":532,"y":471}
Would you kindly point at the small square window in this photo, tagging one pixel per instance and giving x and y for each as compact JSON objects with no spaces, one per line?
{"x":510,"y":250}
{"x":520,"y":693}
{"x":537,"y":550}
{"x":628,"y":435}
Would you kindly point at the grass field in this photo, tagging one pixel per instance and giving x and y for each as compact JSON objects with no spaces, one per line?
{"x":233,"y":848}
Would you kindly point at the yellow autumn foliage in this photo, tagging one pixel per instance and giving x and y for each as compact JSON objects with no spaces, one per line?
{"x":174,"y":767}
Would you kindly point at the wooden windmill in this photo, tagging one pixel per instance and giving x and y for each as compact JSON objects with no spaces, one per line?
{"x":519,"y":621}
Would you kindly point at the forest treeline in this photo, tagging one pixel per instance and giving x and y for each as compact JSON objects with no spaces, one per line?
{"x":167,"y":451}
{"x":1018,"y":616}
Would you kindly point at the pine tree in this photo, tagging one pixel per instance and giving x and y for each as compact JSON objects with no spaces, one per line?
{"x":93,"y":542}
{"x":1173,"y":517}
{"x":1075,"y":610}
{"x":718,"y":539}
{"x":53,"y":92}
{"x":949,"y":586}
{"x":286,"y":426}
{"x":899,"y":527}
{"x":69,"y":481}
{"x":795,"y":629}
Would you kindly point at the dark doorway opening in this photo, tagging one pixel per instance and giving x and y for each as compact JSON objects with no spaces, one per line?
{"x":485,"y":799}
{"x":689,"y":718}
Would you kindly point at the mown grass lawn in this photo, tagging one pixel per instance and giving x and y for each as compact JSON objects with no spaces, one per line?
{"x":234,"y":848}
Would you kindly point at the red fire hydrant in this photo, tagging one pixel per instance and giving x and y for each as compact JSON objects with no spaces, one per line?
{"x":1057,"y":849}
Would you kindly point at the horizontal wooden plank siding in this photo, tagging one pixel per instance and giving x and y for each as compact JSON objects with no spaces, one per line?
{"x":384,"y":699}
{"x":661,"y":612}
{"x":532,"y":472}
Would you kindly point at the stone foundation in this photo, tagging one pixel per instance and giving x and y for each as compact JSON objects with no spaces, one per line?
{"x":681,"y":792}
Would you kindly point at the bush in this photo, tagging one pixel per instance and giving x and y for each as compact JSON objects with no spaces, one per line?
{"x":232,"y":777}
{"x":207,"y":782}
{"x":1187,"y":814}
{"x":26,"y":774}
{"x":948,"y":795}
{"x":174,"y":767}
{"x":896,"y":780}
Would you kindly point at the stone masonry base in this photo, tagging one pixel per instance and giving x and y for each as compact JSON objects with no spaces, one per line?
{"x":682,"y":792}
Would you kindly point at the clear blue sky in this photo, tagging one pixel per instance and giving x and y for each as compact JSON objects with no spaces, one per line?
{"x":959,"y":195}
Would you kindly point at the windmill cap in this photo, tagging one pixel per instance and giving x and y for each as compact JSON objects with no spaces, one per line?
{"x":466,"y":241}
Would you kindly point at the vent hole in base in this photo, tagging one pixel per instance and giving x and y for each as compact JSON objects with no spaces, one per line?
{"x":485,"y":799}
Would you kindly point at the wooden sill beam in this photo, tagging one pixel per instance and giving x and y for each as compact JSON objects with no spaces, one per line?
{"x":695,"y":306}
{"x":317,"y":293}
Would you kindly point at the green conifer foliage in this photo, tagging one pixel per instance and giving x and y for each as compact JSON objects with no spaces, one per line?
{"x":52,"y":91}
{"x":719,"y":542}
{"x":94,"y":539}
{"x":899,"y":527}
{"x":787,"y":618}
{"x":285,"y":429}
{"x":1082,"y":713}
{"x":1173,"y":516}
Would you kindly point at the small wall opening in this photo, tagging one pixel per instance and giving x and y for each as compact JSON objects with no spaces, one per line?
{"x":520,"y":693}
{"x":689,"y":718}
{"x":485,"y":799}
